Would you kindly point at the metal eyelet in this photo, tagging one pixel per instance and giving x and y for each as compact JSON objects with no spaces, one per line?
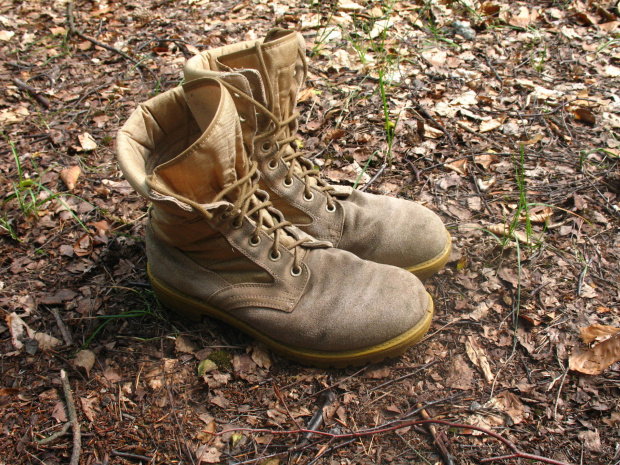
{"x":331,"y":209}
{"x":288,"y":183}
{"x":236,"y":224}
{"x":309,"y":198}
{"x":296,"y":271}
{"x":272,"y":164}
{"x":266,"y":146}
{"x":224,"y":216}
{"x":274,"y":257}
{"x":254,"y":241}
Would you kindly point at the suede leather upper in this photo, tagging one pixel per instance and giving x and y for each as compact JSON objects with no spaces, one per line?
{"x":212,"y":234}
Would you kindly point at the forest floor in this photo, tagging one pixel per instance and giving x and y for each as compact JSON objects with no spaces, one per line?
{"x":502,"y":117}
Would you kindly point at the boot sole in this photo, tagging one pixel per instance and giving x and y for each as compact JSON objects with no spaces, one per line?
{"x":195,"y":309}
{"x":428,"y":268}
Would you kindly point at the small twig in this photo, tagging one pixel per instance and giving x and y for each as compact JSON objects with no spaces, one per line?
{"x":284,"y":404}
{"x":557,"y":397}
{"x":374,"y":178}
{"x":426,"y":114}
{"x":340,"y":381}
{"x":77,"y":437}
{"x":54,"y":436}
{"x":66,"y":335}
{"x":437,"y":438}
{"x":33,"y":93}
{"x":386,"y":429}
{"x":129,"y":455}
{"x":407,"y":375}
{"x":497,"y":76}
{"x":416,"y":171}
{"x":315,"y":422}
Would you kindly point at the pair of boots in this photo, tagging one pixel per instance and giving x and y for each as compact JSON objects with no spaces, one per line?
{"x":243,"y":229}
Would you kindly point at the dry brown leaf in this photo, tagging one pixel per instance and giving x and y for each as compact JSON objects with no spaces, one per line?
{"x":58,"y":31}
{"x":208,"y":454}
{"x":539,"y":217}
{"x":504,"y":230}
{"x":613,"y":420}
{"x":485,"y":184}
{"x":220,"y":401}
{"x":59,"y":414}
{"x":489,"y":8}
{"x":349,"y":5}
{"x":486,"y":126}
{"x":5,"y":36}
{"x":83,"y":246}
{"x":9,"y":116}
{"x":306,"y":94}
{"x":479,"y":358}
{"x":585,"y":115}
{"x":184,"y":344}
{"x":432,"y":133}
{"x":70,"y":176}
{"x":486,"y":160}
{"x":84,"y":359}
{"x":46,"y":342}
{"x":18,"y":329}
{"x":377,"y":372}
{"x":609,"y":27}
{"x":112,"y":375}
{"x":534,"y":140}
{"x":597,"y":359}
{"x":88,"y":407}
{"x":260,"y":356}
{"x":87,"y":142}
{"x":460,"y":166}
{"x":522,"y":19}
{"x":598,"y":333}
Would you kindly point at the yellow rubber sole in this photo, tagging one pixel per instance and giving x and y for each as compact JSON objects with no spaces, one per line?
{"x":428,"y":268}
{"x":195,"y":309}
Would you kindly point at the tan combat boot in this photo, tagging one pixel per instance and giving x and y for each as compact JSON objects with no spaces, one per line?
{"x":377,"y":228}
{"x":217,"y":247}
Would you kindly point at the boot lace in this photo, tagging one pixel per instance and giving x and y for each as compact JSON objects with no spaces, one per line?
{"x":254,"y":204}
{"x":286,"y":151}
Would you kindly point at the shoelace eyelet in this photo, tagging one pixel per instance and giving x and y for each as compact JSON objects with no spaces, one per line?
{"x":272,"y":164}
{"x":296,"y":271}
{"x":274,"y":257}
{"x":254,"y":241}
{"x":331,"y":209}
{"x":288,"y":183}
{"x":224,"y":216}
{"x":266,"y":147}
{"x":237,"y":223}
{"x":309,"y":198}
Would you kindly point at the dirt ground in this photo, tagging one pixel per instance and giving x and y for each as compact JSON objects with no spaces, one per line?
{"x":502,"y":117}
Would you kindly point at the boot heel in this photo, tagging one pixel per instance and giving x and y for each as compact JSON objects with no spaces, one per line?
{"x":171,"y":300}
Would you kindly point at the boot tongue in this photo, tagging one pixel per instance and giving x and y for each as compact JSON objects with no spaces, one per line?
{"x":217,"y":159}
{"x":279,"y":68}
